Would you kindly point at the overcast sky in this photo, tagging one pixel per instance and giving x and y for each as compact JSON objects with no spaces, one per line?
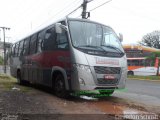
{"x":132,"y":18}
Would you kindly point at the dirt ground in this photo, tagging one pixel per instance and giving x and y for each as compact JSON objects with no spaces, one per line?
{"x":39,"y":103}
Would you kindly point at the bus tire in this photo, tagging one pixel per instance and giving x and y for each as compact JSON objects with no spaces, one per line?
{"x":59,"y":86}
{"x":130,"y":73}
{"x":19,"y":79}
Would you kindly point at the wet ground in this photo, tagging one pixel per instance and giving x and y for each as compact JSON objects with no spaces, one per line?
{"x":145,"y":93}
{"x":40,"y":103}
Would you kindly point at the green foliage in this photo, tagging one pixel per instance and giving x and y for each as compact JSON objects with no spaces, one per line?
{"x":1,"y":60}
{"x":144,"y":77}
{"x":153,"y":56}
{"x":8,"y":82}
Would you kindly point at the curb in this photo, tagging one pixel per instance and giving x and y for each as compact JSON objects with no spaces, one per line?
{"x":143,"y":79}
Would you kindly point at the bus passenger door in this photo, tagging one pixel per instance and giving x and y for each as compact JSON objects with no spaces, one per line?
{"x":32,"y":70}
{"x":63,"y":47}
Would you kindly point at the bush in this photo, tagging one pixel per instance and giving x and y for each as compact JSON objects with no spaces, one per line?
{"x":1,"y":60}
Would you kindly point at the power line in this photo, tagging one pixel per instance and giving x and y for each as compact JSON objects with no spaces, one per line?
{"x":59,"y":12}
{"x":100,"y":5}
{"x":31,"y":9}
{"x":65,"y":8}
{"x":76,"y":1}
{"x":96,"y":7}
{"x":74,"y":10}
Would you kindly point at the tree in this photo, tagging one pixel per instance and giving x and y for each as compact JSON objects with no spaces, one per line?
{"x":151,"y":39}
{"x":153,"y":57}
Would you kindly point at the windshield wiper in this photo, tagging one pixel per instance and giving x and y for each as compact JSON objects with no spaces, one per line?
{"x":92,"y":47}
{"x":113,"y":47}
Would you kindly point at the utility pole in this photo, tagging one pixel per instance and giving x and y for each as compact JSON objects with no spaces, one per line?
{"x":84,"y":5}
{"x":4,"y":46}
{"x":0,"y":35}
{"x":85,"y":14}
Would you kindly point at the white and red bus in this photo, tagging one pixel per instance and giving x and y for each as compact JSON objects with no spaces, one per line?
{"x":71,"y":55}
{"x":142,"y":66}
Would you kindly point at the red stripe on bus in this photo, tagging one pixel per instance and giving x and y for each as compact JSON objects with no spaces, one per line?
{"x":51,"y":58}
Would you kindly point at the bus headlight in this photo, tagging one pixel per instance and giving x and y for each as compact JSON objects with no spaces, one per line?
{"x":81,"y":81}
{"x":82,"y":67}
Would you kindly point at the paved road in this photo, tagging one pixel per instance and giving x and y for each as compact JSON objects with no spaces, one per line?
{"x":150,"y":88}
{"x":146,"y":92}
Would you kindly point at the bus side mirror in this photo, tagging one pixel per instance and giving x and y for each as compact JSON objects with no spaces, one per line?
{"x":59,"y":27}
{"x":120,"y":37}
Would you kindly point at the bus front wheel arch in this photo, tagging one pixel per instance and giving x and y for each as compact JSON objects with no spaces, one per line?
{"x":59,"y":85}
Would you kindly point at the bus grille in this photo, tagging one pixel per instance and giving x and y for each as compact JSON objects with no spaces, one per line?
{"x":108,"y":82}
{"x":107,"y":70}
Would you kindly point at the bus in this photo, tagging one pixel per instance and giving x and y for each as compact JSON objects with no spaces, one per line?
{"x":71,"y":55}
{"x":142,"y":66}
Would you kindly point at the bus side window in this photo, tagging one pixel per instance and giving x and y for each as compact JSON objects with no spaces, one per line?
{"x":20,"y":48}
{"x":13,"y":50}
{"x":26,"y":46}
{"x":50,"y":39}
{"x":135,"y":62}
{"x":33,"y":44}
{"x":16,"y":49}
{"x":40,"y":41}
{"x":129,"y":62}
{"x":141,"y":62}
{"x":62,"y":41}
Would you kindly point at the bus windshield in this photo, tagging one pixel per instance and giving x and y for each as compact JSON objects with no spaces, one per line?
{"x":92,"y":35}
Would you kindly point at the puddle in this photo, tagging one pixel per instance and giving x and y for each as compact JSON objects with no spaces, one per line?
{"x":88,"y":98}
{"x":15,"y":88}
{"x":110,"y":108}
{"x":118,"y":110}
{"x":133,"y":112}
{"x":122,"y":112}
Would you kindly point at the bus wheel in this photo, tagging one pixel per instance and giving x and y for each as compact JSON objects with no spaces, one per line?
{"x":59,"y":86}
{"x":19,"y":79}
{"x":130,"y":73}
{"x":106,"y":92}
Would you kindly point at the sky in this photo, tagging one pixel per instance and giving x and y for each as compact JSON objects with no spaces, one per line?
{"x":132,"y":18}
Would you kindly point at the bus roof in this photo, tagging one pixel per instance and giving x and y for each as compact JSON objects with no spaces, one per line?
{"x":140,"y":47}
{"x":52,"y":23}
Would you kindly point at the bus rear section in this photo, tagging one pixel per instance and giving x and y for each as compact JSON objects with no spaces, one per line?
{"x":71,"y":55}
{"x":142,"y":66}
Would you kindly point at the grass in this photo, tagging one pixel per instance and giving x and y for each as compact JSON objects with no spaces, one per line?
{"x":7,"y":83}
{"x":145,"y":77}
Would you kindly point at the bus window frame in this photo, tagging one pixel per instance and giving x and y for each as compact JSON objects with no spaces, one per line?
{"x":22,"y":48}
{"x":27,"y":47}
{"x":33,"y":51}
